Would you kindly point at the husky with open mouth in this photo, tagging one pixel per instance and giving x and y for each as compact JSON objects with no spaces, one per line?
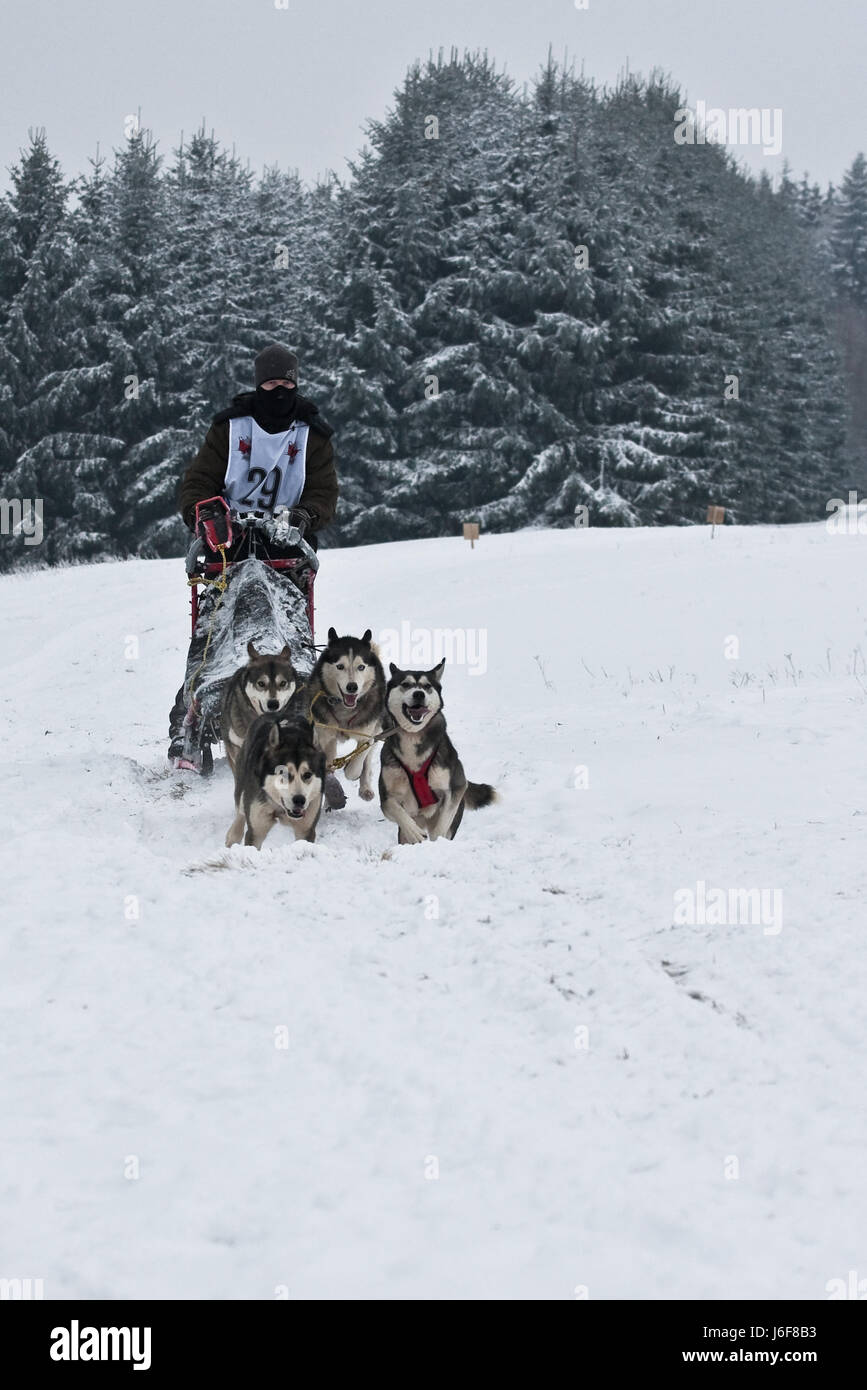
{"x":264,"y":686}
{"x":280,"y":776}
{"x":347,"y":692}
{"x":422,"y":784}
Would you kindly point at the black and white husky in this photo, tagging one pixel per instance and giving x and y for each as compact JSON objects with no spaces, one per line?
{"x":347,"y":692}
{"x":280,"y":776}
{"x":422,"y":784}
{"x":265,"y":685}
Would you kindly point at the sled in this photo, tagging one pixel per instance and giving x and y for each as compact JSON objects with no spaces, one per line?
{"x":252,"y":596}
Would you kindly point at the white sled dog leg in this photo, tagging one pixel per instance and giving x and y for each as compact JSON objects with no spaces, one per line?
{"x":365,"y":786}
{"x":235,"y":832}
{"x":393,"y":810}
{"x":354,"y":768}
{"x":442,"y":821}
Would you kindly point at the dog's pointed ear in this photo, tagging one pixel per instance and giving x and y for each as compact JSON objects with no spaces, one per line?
{"x":274,"y":735}
{"x":332,"y":635}
{"x":366,"y":636}
{"x":286,"y":652}
{"x":437,"y":672}
{"x":251,"y":651}
{"x":395,"y":670}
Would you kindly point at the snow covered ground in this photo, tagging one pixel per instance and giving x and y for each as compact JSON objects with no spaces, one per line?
{"x":505,"y":1067}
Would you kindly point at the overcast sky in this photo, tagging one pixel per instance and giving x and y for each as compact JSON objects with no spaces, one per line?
{"x":295,"y":86}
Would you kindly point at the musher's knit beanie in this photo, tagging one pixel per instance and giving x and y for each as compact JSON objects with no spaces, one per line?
{"x":276,"y":361}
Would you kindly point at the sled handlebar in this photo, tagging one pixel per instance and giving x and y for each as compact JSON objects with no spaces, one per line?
{"x":284,"y":535}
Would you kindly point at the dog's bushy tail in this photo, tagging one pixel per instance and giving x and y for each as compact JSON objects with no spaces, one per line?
{"x":479,"y":794}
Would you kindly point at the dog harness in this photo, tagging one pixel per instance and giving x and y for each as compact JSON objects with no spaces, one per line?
{"x":421,"y":787}
{"x":335,"y":702}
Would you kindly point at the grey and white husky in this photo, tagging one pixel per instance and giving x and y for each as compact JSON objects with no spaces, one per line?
{"x":280,"y":776}
{"x":265,"y":685}
{"x":347,"y":690}
{"x":422,"y":784}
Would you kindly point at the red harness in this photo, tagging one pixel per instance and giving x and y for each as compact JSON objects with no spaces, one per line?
{"x":420,"y":785}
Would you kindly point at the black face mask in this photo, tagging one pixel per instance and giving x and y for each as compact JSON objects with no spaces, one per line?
{"x":274,"y":409}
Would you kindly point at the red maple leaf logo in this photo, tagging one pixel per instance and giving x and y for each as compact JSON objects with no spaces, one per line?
{"x":244,"y":445}
{"x":292,"y":451}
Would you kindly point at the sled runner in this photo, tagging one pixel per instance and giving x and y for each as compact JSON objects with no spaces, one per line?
{"x":260,"y":589}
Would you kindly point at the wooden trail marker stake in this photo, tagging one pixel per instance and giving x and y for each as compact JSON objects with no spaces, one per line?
{"x":471,"y":533}
{"x":716,"y":516}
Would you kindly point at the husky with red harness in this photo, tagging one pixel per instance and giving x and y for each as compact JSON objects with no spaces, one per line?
{"x":257,"y":491}
{"x":422,"y":784}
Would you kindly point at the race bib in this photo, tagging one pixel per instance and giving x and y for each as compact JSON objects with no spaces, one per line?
{"x":264,"y":471}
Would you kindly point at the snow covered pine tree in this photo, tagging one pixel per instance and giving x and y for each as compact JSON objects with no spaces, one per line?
{"x":271,"y":448}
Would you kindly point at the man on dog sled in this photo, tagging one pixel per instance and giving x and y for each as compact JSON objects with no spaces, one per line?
{"x":270,"y":449}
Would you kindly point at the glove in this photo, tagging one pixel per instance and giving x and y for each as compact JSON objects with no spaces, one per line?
{"x":304,"y":520}
{"x":212,"y":524}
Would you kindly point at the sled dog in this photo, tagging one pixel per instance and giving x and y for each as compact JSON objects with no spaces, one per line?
{"x":347,"y":689}
{"x":422,"y":784}
{"x":279,"y":776}
{"x":265,"y":685}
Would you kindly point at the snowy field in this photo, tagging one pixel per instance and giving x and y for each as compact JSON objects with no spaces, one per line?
{"x":506,"y":1067}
